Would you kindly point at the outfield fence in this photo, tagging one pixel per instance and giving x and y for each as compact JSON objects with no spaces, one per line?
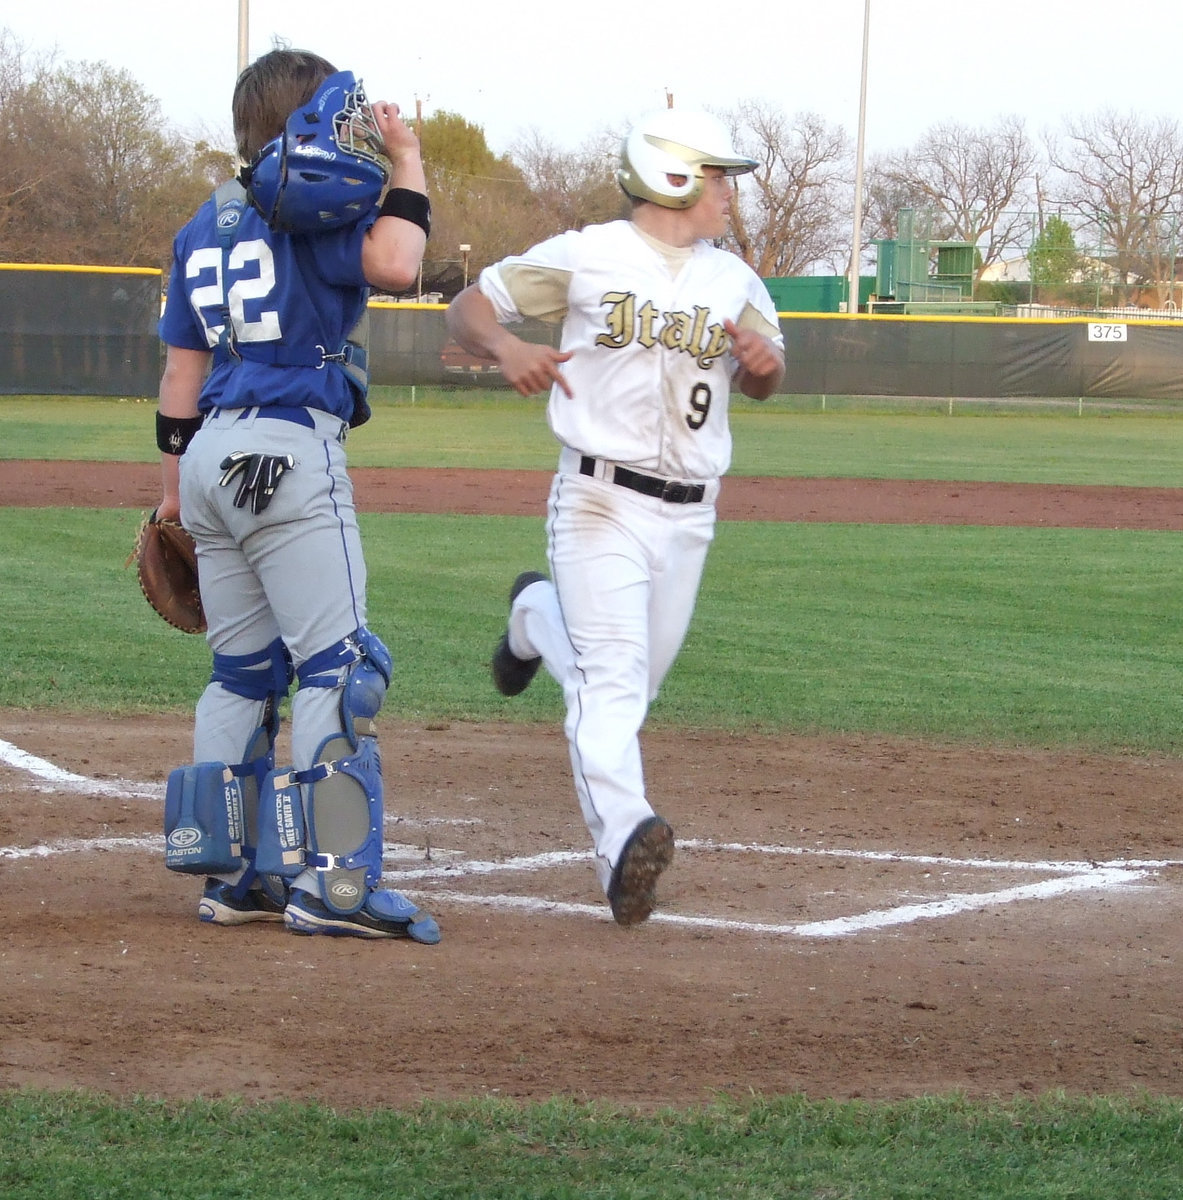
{"x":92,"y":331}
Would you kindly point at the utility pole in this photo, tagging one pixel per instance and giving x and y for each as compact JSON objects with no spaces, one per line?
{"x":856,"y":249}
{"x":244,"y":21}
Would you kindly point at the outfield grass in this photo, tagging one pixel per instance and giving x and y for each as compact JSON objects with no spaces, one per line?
{"x":1053,"y":637}
{"x":503,"y":431}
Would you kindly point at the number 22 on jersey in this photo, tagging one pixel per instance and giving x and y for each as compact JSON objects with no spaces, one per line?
{"x":213,"y":300}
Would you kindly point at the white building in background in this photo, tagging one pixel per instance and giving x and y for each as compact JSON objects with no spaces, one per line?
{"x":1008,"y":270}
{"x":1018,"y":270}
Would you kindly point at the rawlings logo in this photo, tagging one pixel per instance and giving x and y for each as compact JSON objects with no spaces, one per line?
{"x":312,"y":151}
{"x":345,"y":889}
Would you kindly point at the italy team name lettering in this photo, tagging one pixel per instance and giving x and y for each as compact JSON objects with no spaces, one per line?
{"x":688,"y":332}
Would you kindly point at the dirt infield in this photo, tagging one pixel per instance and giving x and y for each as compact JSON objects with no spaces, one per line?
{"x":523,"y":493}
{"x":844,"y":917}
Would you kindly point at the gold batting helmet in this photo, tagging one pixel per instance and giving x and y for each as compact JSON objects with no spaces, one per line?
{"x":677,"y":142}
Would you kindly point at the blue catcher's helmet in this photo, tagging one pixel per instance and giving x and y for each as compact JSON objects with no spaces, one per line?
{"x":324,"y":171}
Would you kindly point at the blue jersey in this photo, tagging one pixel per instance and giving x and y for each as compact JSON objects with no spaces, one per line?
{"x":290,"y":300}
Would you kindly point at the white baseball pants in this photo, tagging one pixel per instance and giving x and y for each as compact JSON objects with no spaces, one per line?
{"x":626,"y":570}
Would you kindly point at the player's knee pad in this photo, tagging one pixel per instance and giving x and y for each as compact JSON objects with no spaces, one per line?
{"x":204,"y":824}
{"x":264,"y":675}
{"x":260,"y":675}
{"x":365,"y":688}
{"x":329,"y":817}
{"x":211,"y":808}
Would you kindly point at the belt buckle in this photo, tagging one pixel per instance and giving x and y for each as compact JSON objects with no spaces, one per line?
{"x":675,"y":493}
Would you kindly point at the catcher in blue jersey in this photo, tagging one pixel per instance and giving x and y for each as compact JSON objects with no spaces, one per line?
{"x":265,"y":374}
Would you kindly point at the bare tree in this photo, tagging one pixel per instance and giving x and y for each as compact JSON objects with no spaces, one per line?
{"x":976,"y":182}
{"x":89,"y":171}
{"x":500,"y":204}
{"x":887,"y":191}
{"x":570,"y":189}
{"x":26,"y":169}
{"x":1122,"y":178}
{"x":792,"y":210}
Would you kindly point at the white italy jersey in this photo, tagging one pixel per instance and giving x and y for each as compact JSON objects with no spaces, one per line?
{"x":650,"y":366}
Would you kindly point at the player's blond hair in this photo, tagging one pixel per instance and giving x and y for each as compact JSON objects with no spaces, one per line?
{"x":269,"y":91}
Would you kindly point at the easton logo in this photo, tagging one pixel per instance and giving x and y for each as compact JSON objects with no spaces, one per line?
{"x":183,"y":838}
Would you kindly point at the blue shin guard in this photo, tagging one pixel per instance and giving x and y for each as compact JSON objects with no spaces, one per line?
{"x":213,"y":806}
{"x":211,"y":810}
{"x":329,"y":817}
{"x":345,"y":811}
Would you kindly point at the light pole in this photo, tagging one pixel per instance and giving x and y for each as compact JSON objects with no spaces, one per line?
{"x":244,"y":21}
{"x":464,"y":249}
{"x":1100,"y":259}
{"x":1030,"y":263}
{"x":1174,"y":234}
{"x":857,"y":235}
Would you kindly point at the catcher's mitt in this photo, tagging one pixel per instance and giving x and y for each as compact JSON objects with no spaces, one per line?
{"x":166,"y":562}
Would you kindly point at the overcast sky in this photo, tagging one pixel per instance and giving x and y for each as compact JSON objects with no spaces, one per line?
{"x":571,"y":71}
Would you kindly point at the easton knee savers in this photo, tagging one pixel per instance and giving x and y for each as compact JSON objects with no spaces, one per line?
{"x":203,"y":820}
{"x":210,"y":808}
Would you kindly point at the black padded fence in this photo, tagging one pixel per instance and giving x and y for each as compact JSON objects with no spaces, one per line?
{"x":92,"y":331}
{"x":73,"y":331}
{"x":982,"y":357}
{"x":870,"y":356}
{"x":409,"y":344}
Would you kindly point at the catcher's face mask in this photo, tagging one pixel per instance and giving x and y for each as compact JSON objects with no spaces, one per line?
{"x":327,"y":169}
{"x":356,"y":130}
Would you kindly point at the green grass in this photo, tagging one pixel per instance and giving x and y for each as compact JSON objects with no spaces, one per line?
{"x":59,"y":1147}
{"x":1032,"y":636}
{"x":1013,"y":636}
{"x":504,"y":431}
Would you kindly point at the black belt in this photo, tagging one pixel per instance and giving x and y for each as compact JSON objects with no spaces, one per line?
{"x":668,"y":490}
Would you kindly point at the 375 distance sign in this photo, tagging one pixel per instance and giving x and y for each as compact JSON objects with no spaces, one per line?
{"x":1099,"y":332}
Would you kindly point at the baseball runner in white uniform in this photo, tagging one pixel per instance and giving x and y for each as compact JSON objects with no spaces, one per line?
{"x":657,"y":323}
